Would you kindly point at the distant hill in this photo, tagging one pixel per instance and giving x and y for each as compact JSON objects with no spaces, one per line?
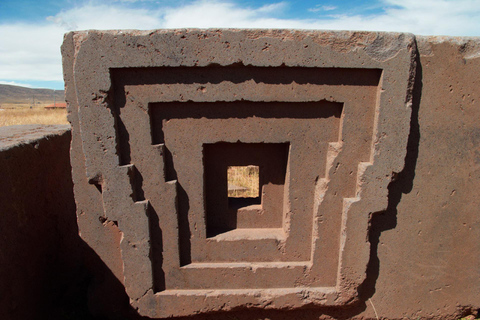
{"x":21,"y":96}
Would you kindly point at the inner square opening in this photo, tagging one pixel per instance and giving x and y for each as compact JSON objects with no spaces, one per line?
{"x":243,"y":181}
{"x":244,"y":185}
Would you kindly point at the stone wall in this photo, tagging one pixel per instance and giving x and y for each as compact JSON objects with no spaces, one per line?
{"x":416,"y":258}
{"x":46,"y":269}
{"x":422,"y":259}
{"x":360,"y":137}
{"x":37,"y":218}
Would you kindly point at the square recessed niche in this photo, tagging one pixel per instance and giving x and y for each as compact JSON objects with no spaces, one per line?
{"x":224,"y":213}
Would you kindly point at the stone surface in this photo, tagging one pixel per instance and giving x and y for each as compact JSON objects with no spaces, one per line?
{"x":21,"y":135}
{"x":427,"y":249}
{"x":157,"y":118}
{"x":37,"y":220}
{"x":424,"y":248}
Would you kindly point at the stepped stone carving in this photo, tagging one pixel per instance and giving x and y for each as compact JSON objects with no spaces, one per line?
{"x":159,"y":116}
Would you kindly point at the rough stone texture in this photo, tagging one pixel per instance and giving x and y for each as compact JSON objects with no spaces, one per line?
{"x":158,"y":116}
{"x":37,"y":219}
{"x":424,"y":255}
{"x":429,"y":239}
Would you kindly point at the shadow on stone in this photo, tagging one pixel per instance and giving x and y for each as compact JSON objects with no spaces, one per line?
{"x":403,"y":184}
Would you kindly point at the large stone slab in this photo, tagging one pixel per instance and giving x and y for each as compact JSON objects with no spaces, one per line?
{"x":157,"y":118}
{"x":427,"y":259}
{"x":37,"y":218}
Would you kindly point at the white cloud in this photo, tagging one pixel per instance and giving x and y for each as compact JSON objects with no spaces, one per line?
{"x":224,"y":14}
{"x":318,"y":8}
{"x":442,"y":17}
{"x":13,"y":83}
{"x":32,"y":52}
{"x":104,"y":17}
{"x":329,"y":8}
{"x":273,"y":8}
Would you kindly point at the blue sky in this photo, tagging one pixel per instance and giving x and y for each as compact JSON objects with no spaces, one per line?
{"x":31,"y":32}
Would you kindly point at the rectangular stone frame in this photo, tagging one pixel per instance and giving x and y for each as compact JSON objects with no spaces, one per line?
{"x":91,"y":60}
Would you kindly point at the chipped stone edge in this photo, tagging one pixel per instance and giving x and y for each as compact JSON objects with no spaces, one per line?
{"x":469,"y":47}
{"x":18,"y":135}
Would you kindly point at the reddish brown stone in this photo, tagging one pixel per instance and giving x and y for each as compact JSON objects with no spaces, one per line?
{"x":37,"y":220}
{"x":158,"y":117}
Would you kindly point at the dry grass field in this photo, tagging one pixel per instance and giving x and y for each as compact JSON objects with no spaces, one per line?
{"x":243,"y":182}
{"x":37,"y":115}
{"x":21,"y":105}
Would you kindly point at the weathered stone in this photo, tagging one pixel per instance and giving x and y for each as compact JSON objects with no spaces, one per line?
{"x":37,"y":219}
{"x":426,"y":262}
{"x":158,"y":117}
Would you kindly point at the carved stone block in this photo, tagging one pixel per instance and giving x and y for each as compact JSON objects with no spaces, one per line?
{"x":159,"y":116}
